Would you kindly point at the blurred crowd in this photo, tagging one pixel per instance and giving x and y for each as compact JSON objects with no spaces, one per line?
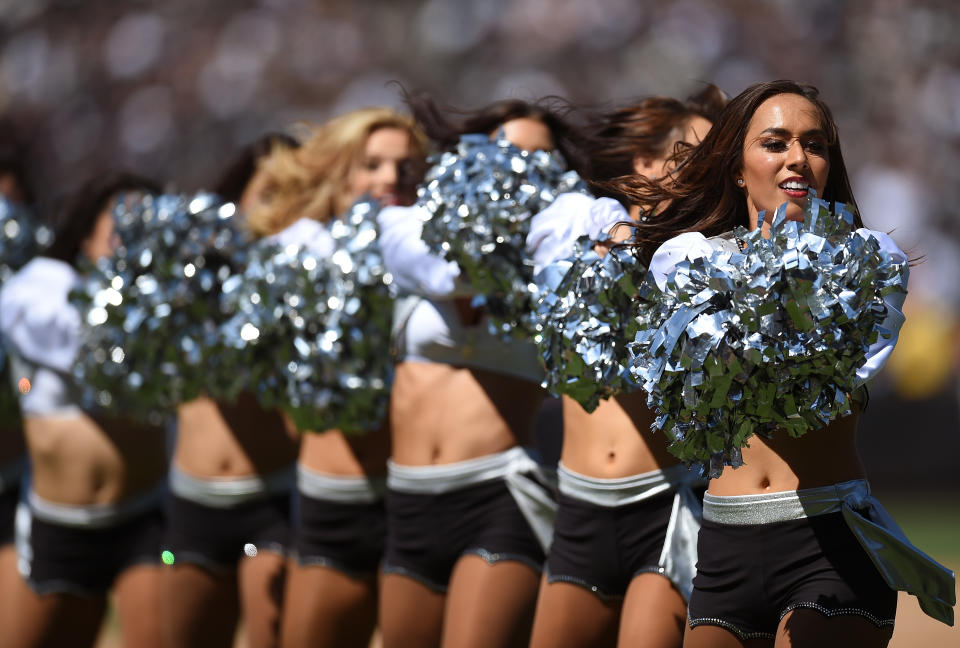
{"x":173,"y":88}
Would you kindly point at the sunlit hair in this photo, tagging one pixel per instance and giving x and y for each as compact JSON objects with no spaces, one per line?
{"x":312,"y":181}
{"x":703,"y":195}
{"x":645,"y":129}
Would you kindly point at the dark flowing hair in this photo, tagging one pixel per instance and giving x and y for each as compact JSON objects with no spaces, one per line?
{"x":645,"y":129}
{"x":703,"y":195}
{"x":445,"y":124}
{"x":78,"y":217}
{"x":239,"y":171}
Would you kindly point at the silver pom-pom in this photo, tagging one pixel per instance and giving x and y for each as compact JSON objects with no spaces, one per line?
{"x":762,"y":340}
{"x":480,"y":199}
{"x":21,"y":238}
{"x":313,"y":332}
{"x":152,"y":311}
{"x":586,"y":310}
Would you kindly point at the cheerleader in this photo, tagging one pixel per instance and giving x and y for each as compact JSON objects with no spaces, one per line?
{"x":466,"y":524}
{"x":793,"y":549}
{"x":15,"y":189}
{"x":93,"y":516}
{"x":624,"y":544}
{"x":230,"y":486}
{"x":339,"y":523}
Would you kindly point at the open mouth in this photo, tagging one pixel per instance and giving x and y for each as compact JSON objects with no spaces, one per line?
{"x":795,"y":187}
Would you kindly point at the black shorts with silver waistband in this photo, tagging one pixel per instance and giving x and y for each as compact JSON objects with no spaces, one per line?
{"x":58,"y":558}
{"x":348,"y":537}
{"x":428,"y":533}
{"x":604,"y":548}
{"x":750,"y":576}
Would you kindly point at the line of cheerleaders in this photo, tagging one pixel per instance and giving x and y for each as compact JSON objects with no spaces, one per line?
{"x":348,"y":358}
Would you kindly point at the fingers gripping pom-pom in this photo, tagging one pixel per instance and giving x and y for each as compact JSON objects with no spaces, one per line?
{"x":480,"y":199}
{"x":765,"y":339}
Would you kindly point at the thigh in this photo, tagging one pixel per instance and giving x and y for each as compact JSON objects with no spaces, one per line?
{"x":411,"y":614}
{"x":198,"y":607}
{"x":55,"y":619}
{"x":136,"y":594}
{"x":9,"y":585}
{"x":490,"y":605}
{"x":654,"y":613}
{"x":572,"y":616}
{"x":325,"y":608}
{"x":261,"y":582}
{"x":810,"y":629}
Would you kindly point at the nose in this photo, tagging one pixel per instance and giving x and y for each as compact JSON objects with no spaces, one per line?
{"x":797,"y":156}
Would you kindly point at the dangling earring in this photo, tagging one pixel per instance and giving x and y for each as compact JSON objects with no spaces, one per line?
{"x":739,"y":182}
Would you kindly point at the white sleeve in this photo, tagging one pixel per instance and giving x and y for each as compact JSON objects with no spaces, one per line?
{"x":555,"y":230}
{"x":414,"y":268}
{"x":879,"y":352}
{"x":688,"y":245}
{"x":308,"y":234}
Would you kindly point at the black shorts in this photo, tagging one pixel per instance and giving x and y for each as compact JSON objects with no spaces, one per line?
{"x":428,"y":533}
{"x":347,"y":537}
{"x":86,"y":561}
{"x":8,"y":511}
{"x":216,"y":538}
{"x":750,"y":576}
{"x":603,"y":548}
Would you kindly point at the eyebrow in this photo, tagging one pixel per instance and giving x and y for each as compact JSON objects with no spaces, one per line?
{"x":783,"y":132}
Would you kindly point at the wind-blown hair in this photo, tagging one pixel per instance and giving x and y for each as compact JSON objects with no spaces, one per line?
{"x":702,"y":195}
{"x":644,"y":129}
{"x":311,"y":181}
{"x":444,"y":124}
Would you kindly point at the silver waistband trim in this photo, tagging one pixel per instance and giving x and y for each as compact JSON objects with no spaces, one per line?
{"x":340,"y":488}
{"x":97,"y":516}
{"x":228,"y":492}
{"x":529,"y":482}
{"x":902,"y":565}
{"x":11,"y":473}
{"x":611,"y":493}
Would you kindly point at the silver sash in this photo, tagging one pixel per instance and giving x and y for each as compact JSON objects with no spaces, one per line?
{"x":517,"y":467}
{"x":902,"y":565}
{"x":345,"y":489}
{"x":96,"y":516}
{"x":678,"y":560}
{"x":228,"y":492}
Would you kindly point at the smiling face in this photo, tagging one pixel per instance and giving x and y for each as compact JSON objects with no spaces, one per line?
{"x":380,"y":167}
{"x":785,"y":154}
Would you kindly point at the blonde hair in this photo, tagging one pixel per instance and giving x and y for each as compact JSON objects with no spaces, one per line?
{"x":311,"y":181}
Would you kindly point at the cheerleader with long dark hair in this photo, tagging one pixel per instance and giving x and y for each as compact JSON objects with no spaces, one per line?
{"x":92,"y":520}
{"x":624,"y":545}
{"x":793,"y":549}
{"x":466,"y":526}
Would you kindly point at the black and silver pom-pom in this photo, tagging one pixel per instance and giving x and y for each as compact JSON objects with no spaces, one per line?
{"x":152,"y":311}
{"x":313,"y":331}
{"x":763,"y":340}
{"x":21,"y":238}
{"x":480,"y":199}
{"x":586,"y":308}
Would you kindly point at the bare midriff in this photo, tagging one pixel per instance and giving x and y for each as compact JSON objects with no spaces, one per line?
{"x":233,"y":439}
{"x":335,"y":453}
{"x":614,"y":440}
{"x":443,"y":414}
{"x":818,"y":458}
{"x":81,"y":462}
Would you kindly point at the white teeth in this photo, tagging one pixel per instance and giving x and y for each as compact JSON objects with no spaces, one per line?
{"x":795,"y":185}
